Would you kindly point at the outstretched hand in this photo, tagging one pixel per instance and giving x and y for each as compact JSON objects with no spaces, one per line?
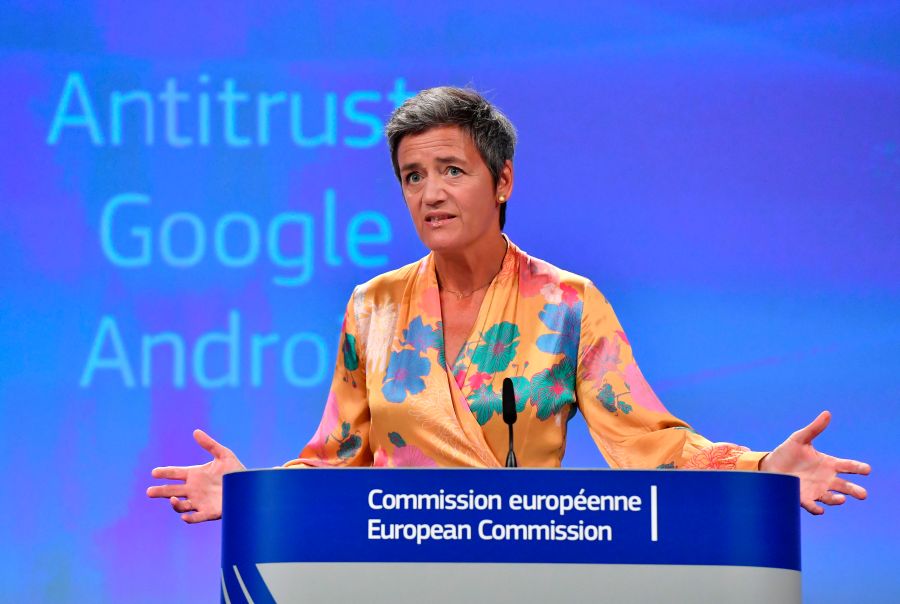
{"x":818,"y":472}
{"x":198,"y":497}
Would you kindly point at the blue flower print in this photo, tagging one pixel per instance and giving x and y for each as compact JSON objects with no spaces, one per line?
{"x":422,"y":337}
{"x":404,"y":374}
{"x":566,"y":321}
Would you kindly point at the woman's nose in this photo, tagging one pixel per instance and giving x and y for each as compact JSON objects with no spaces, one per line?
{"x":433,"y":191}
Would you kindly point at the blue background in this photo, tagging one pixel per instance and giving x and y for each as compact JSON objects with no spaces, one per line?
{"x":728,"y":173}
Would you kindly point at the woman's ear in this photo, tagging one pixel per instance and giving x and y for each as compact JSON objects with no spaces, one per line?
{"x":505,"y":182}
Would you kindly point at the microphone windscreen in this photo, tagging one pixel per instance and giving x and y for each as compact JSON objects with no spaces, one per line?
{"x":509,"y":401}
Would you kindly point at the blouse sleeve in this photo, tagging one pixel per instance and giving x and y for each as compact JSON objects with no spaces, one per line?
{"x":627,"y":421}
{"x":342,"y":438}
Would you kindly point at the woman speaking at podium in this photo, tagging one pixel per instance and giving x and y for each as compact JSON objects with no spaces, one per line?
{"x":425,"y":348}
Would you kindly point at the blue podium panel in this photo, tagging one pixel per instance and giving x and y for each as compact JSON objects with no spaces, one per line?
{"x":408,"y":535}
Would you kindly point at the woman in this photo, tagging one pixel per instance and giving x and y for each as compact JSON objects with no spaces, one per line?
{"x":425,"y":348}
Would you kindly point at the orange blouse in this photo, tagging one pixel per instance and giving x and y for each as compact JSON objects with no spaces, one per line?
{"x":396,"y":401}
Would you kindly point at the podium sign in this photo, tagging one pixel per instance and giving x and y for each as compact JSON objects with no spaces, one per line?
{"x":524,"y":535}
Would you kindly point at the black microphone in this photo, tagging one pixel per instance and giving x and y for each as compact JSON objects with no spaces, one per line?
{"x":509,"y":417}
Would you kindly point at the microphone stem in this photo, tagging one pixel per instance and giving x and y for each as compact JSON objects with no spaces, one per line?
{"x":511,"y":461}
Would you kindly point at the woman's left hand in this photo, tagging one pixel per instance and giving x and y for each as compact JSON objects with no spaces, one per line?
{"x":818,"y":473}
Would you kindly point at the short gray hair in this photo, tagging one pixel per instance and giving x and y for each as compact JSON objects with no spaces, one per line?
{"x":493,"y":134}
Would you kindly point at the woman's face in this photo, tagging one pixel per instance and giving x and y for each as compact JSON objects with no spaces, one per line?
{"x":449,"y":190}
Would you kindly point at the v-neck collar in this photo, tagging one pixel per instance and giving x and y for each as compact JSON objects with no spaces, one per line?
{"x":508,"y":269}
{"x":426,"y":291}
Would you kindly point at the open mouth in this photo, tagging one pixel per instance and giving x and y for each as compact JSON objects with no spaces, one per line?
{"x":438,"y":219}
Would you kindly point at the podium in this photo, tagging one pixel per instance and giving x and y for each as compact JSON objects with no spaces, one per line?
{"x":512,"y":535}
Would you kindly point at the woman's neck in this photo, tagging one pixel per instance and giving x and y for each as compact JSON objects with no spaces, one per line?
{"x":472,"y":269}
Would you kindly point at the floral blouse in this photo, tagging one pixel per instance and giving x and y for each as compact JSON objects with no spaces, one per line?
{"x":396,"y":400}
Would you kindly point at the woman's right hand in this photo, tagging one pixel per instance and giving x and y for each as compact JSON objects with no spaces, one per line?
{"x":198,"y":495}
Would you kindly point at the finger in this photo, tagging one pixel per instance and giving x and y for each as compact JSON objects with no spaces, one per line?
{"x":195,"y":517}
{"x":812,"y":508}
{"x":170,"y":472}
{"x":207,"y":442}
{"x":807,"y":434}
{"x":829,"y":498}
{"x":167,"y":490}
{"x":845,"y":486}
{"x":851,"y":466}
{"x":181,"y":505}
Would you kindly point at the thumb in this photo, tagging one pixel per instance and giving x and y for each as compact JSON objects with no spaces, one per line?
{"x":207,"y":442}
{"x":818,"y":425}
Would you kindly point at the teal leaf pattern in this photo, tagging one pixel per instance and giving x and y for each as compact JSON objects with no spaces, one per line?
{"x":523,"y":392}
{"x":607,"y":398}
{"x":484,"y":403}
{"x":611,"y":401}
{"x":351,"y":358}
{"x":396,"y":439}
{"x":498,"y":348}
{"x":553,"y":388}
{"x":349,"y":446}
{"x":442,"y":354}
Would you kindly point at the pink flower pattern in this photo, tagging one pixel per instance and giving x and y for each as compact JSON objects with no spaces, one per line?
{"x":476,"y":380}
{"x":599,"y":359}
{"x":641,"y":393}
{"x":716,"y":457}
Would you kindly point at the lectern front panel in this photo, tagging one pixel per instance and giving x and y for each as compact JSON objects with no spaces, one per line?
{"x":509,"y":535}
